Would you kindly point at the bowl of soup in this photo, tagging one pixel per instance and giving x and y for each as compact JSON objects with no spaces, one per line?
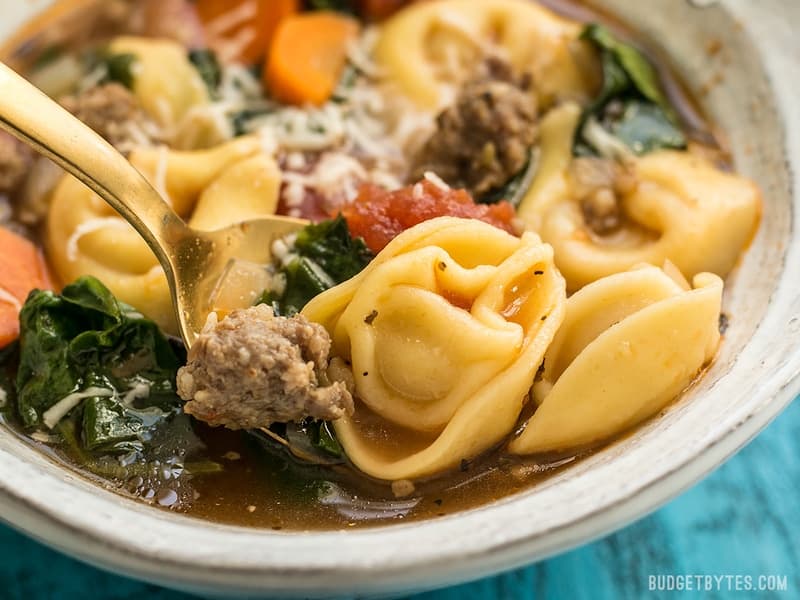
{"x":543,"y":279}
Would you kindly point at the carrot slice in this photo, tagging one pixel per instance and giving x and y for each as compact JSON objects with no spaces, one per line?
{"x":22,"y":269}
{"x":307,"y":56}
{"x":242,"y":30}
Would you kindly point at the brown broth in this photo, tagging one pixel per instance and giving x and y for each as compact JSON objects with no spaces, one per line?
{"x":267,"y":489}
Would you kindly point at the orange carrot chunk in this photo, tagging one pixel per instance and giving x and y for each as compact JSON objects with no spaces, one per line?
{"x":242,"y":30}
{"x":307,"y":56}
{"x":22,"y":269}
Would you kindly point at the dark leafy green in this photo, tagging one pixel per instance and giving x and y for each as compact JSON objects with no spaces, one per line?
{"x":119,"y":68}
{"x":240,"y":119}
{"x":345,"y":6}
{"x":631,"y":62}
{"x":645,"y":127}
{"x":48,"y":56}
{"x":310,"y":442}
{"x":84,"y":338}
{"x":8,"y":367}
{"x":322,"y":437}
{"x":325,"y":256}
{"x":631,"y":104}
{"x":514,"y":189}
{"x":329,"y":244}
{"x":206,"y":63}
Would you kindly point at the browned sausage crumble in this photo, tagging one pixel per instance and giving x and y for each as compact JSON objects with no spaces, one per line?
{"x":253,"y":369}
{"x":113,"y":112}
{"x":484,"y":138}
{"x":15,"y":160}
{"x":599,"y":185}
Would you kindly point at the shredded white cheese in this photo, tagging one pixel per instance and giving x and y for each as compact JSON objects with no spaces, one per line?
{"x":43,"y":437}
{"x":366,"y":132}
{"x":60,"y":409}
{"x":137,"y":391}
{"x":5,"y":296}
{"x":436,"y":180}
{"x":608,"y":145}
{"x":88,"y":227}
{"x":295,"y":161}
{"x":229,"y":19}
{"x":160,"y":176}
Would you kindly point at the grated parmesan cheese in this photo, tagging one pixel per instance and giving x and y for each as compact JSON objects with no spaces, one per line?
{"x":7,"y":297}
{"x":232,"y":46}
{"x":295,"y":161}
{"x":436,"y":180}
{"x":160,"y":175}
{"x":229,"y":19}
{"x":88,"y":227}
{"x":60,"y":409}
{"x":137,"y":391}
{"x":43,"y":437}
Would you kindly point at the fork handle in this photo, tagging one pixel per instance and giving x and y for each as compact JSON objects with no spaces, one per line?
{"x":42,"y":123}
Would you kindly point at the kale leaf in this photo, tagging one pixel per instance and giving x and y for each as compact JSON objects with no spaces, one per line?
{"x":325,"y":255}
{"x":631,"y":104}
{"x":85,"y":339}
{"x":513,"y":191}
{"x":207,"y":65}
{"x":119,"y":68}
{"x":644,"y":127}
{"x":641,"y":74}
{"x":345,"y":6}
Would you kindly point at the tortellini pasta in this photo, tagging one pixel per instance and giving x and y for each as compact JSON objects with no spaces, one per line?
{"x":682,"y":209}
{"x":629,"y":344}
{"x":431,"y":47}
{"x":211,"y":189}
{"x":165,"y":83}
{"x":444,"y":330}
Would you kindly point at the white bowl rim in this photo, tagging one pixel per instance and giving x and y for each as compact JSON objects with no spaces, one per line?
{"x":96,"y":525}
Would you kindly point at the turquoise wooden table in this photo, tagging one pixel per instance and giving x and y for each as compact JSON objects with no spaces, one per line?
{"x":743,"y":520}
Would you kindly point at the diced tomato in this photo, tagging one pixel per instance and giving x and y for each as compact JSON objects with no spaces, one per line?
{"x":379,"y":216}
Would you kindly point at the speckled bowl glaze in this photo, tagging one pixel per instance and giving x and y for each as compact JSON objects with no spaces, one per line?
{"x":749,"y":88}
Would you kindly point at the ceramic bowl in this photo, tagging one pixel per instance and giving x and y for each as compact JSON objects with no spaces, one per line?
{"x":749,"y":88}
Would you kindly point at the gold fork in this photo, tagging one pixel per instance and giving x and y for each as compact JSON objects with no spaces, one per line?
{"x":194,"y":262}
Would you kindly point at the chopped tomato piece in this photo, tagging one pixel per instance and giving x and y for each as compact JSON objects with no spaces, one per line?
{"x":379,"y":215}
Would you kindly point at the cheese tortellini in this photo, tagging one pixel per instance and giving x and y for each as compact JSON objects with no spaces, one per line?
{"x":629,"y":344}
{"x":444,"y":330}
{"x":211,"y":189}
{"x":430,"y":48}
{"x":165,"y":83}
{"x":682,"y":209}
